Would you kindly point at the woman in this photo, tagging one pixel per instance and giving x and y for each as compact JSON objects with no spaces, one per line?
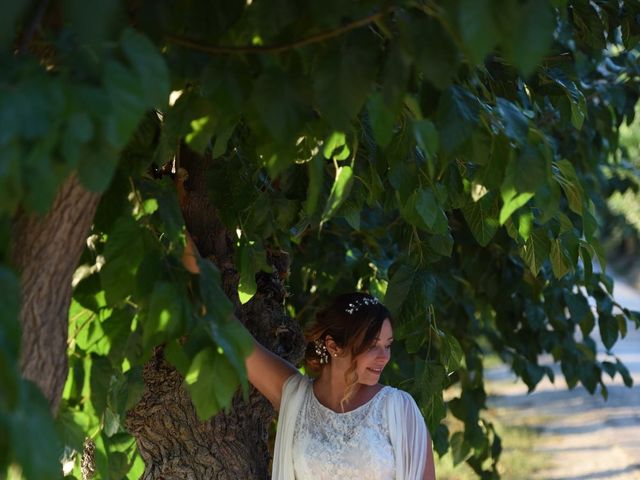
{"x":342,"y":424}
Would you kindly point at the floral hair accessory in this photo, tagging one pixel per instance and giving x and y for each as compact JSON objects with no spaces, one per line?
{"x":355,"y":305}
{"x":321,"y":351}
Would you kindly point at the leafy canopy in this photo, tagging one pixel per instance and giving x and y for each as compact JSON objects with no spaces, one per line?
{"x":449,"y":157}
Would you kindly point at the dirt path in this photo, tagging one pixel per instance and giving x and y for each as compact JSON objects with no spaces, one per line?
{"x":584,"y":437}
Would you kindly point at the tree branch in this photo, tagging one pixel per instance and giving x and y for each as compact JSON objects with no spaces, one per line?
{"x":317,"y":38}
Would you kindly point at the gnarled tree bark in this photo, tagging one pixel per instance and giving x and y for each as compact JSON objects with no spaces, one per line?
{"x":233,"y":445}
{"x":46,"y":251}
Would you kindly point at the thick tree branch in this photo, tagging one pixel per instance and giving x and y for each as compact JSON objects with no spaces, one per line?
{"x":46,"y":250}
{"x":317,"y":38}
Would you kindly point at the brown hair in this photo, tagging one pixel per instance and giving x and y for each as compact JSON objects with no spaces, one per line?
{"x":353,"y":320}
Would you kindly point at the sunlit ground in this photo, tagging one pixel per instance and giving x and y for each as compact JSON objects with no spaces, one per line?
{"x":560,"y":434}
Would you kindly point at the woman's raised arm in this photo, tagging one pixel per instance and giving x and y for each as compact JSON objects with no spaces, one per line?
{"x":265,"y":370}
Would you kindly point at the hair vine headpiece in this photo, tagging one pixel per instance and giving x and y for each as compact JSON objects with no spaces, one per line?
{"x":355,"y":305}
{"x":321,"y":351}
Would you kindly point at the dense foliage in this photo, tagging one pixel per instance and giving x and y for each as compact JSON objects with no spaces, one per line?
{"x":450,"y":157}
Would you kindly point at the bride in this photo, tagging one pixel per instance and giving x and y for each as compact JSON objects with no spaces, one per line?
{"x":343,"y":424}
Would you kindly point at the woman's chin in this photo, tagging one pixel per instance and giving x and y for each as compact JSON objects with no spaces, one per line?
{"x":369,"y":377}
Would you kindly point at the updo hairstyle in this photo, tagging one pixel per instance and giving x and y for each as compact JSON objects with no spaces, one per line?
{"x":354,"y":321}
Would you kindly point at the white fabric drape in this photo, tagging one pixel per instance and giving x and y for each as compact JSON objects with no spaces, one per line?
{"x":290,"y":403}
{"x":408,"y":436}
{"x":407,"y":432}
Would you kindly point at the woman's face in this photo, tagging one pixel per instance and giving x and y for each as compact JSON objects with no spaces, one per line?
{"x":371,"y":362}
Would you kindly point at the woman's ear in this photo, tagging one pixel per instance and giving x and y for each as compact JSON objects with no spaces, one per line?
{"x":332,"y":347}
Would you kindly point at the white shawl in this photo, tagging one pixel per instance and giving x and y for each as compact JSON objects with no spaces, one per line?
{"x":407,"y":432}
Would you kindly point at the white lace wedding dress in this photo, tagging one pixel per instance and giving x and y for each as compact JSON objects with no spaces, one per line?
{"x":384,"y":439}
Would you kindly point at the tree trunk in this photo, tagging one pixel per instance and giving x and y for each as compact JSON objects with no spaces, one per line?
{"x":46,"y":251}
{"x":233,"y":445}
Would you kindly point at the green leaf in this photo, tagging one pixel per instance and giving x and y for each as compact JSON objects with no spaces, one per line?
{"x":589,"y":375}
{"x":211,"y":382}
{"x":608,"y":329}
{"x":514,"y":122}
{"x":482,"y":218}
{"x":342,"y":79}
{"x":536,"y":250}
{"x":566,"y":176}
{"x":216,"y":301}
{"x":528,"y":170}
{"x":149,"y":65}
{"x":441,"y":244}
{"x":339,"y":192}
{"x":278,"y":104}
{"x":351,"y":213}
{"x":316,"y":173}
{"x":247,"y":286}
{"x":223,"y":135}
{"x":202,"y":129}
{"x":164,"y":192}
{"x":435,"y":53}
{"x":176,"y":355}
{"x":337,"y":140}
{"x":92,"y":23}
{"x":451,"y":353}
{"x":236,"y":344}
{"x":382,"y":117}
{"x":477,"y":28}
{"x":532,"y":375}
{"x":111,"y":423}
{"x":165,"y":317}
{"x":34,"y":441}
{"x":580,"y":311}
{"x":398,"y":289}
{"x":525,"y":224}
{"x":426,"y":137}
{"x":460,"y":448}
{"x":100,"y":380}
{"x":126,"y":96}
{"x":252,"y":259}
{"x":527,"y":31}
{"x":101,"y":455}
{"x":96,"y":167}
{"x":422,"y":210}
{"x":547,"y":200}
{"x":575,"y":96}
{"x":227,"y":84}
{"x":123,"y":253}
{"x":72,"y":426}
{"x":624,"y":372}
{"x":512,"y":202}
{"x":560,"y":264}
{"x":456,"y":118}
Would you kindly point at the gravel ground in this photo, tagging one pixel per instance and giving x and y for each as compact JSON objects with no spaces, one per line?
{"x":582,"y":436}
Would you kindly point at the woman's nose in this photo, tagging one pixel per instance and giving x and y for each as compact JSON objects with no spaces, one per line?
{"x":383,"y":352}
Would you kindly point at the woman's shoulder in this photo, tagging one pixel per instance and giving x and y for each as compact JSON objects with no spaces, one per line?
{"x":393,"y":394}
{"x":296,"y":382}
{"x":401,"y":402}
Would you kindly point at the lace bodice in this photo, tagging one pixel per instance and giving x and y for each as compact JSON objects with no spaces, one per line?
{"x":383,"y":439}
{"x":351,"y":445}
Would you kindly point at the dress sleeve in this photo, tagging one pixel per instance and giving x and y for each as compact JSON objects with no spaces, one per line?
{"x":408,"y":435}
{"x":293,"y":392}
